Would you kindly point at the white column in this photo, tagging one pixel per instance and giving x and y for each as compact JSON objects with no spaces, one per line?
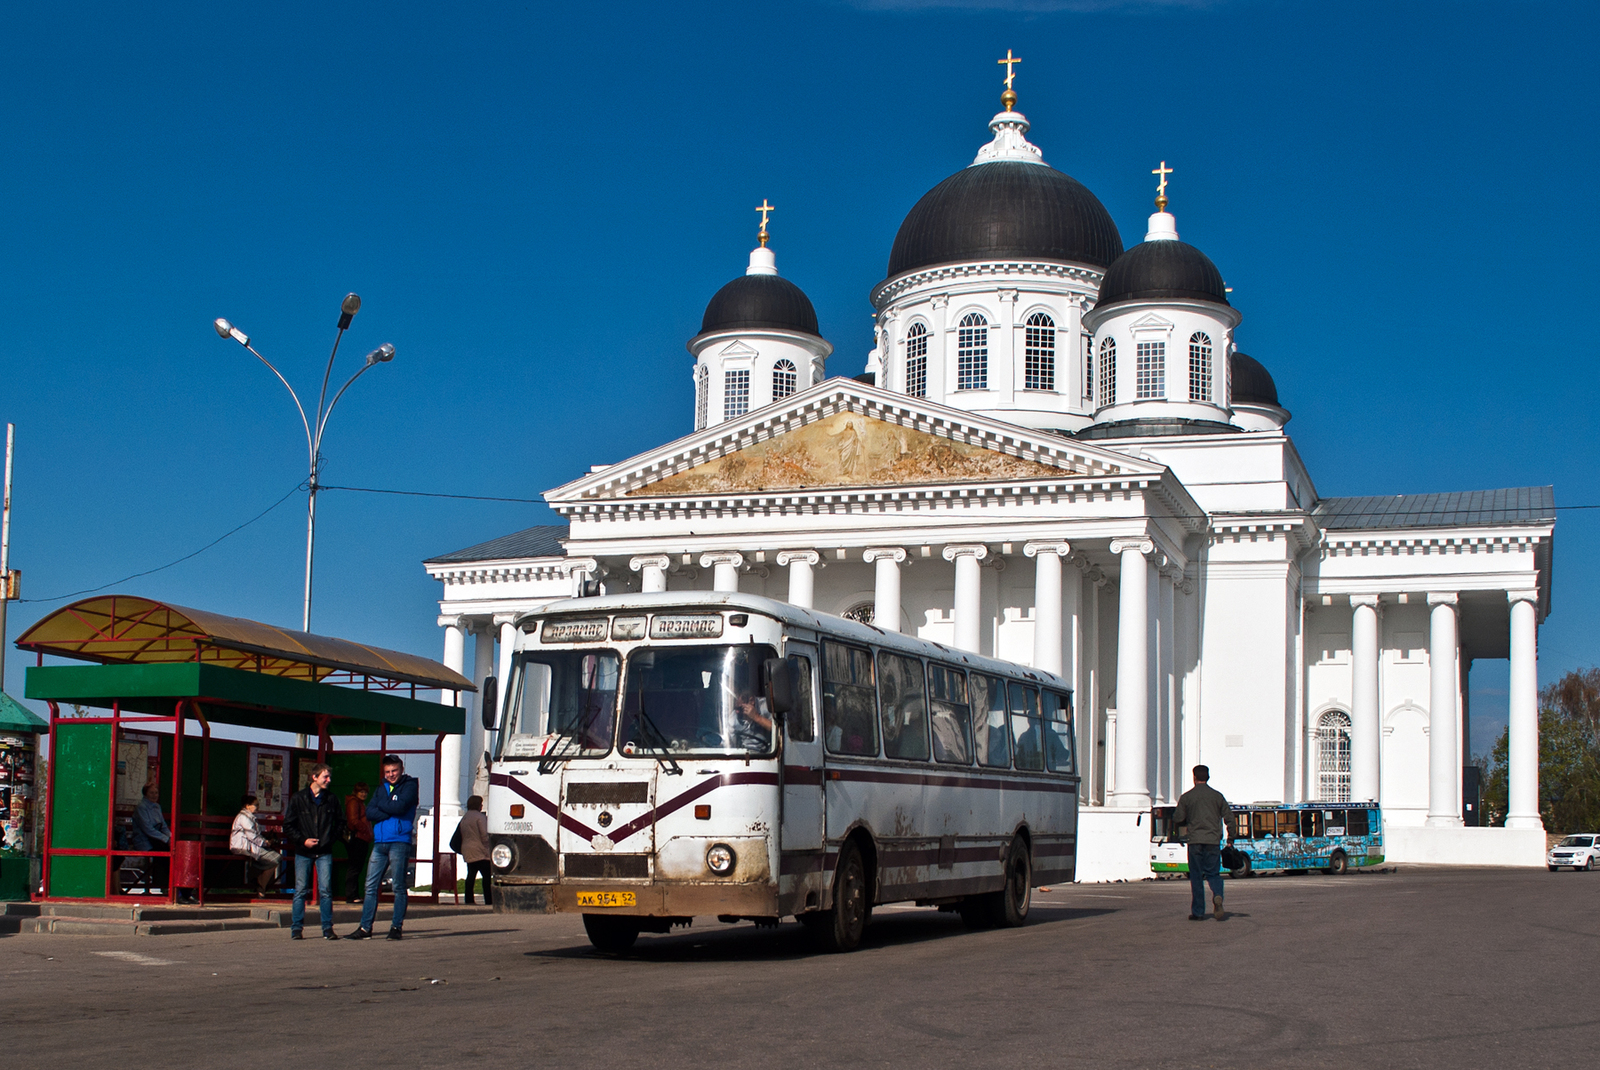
{"x":968,"y":590}
{"x":1166,"y":681}
{"x":1366,"y":723}
{"x":1093,"y":760}
{"x":1444,"y":752}
{"x":1522,"y":811}
{"x":581,"y":569}
{"x":450,"y":748}
{"x":886,"y":591}
{"x":1047,"y":611}
{"x":802,"y":583}
{"x":508,"y":642}
{"x":1133,"y":668}
{"x":652,"y":570}
{"x":726,"y":574}
{"x":482,"y":668}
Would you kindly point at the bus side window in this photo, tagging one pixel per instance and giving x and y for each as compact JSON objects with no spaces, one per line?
{"x":991,"y":741}
{"x":1058,"y":749}
{"x":802,"y":720}
{"x":903,"y":705}
{"x":1027,"y":731}
{"x":951,"y":715}
{"x":1359,"y":823}
{"x":1239,"y":825}
{"x":1261,"y":825}
{"x":1310,"y":824}
{"x":849,"y":700}
{"x":1336,"y":822}
{"x":1288,"y":823}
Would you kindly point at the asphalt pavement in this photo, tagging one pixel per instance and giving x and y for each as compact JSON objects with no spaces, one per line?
{"x":1407,"y":968}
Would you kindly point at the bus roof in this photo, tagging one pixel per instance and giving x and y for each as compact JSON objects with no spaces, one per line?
{"x":798,"y":617}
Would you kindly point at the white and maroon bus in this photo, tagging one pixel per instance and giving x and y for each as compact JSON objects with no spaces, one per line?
{"x":667,"y":756}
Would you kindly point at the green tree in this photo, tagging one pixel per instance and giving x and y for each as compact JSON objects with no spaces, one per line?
{"x":1569,"y":757}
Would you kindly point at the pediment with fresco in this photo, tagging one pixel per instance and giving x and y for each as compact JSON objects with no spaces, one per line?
{"x":849,"y":449}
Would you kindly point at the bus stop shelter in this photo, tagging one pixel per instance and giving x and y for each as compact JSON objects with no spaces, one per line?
{"x":156,"y":672}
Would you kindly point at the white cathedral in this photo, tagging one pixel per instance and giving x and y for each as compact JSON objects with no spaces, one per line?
{"x":1057,"y":455}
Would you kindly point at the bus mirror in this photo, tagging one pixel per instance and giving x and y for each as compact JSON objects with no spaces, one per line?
{"x":488,"y":701}
{"x":781,"y":684}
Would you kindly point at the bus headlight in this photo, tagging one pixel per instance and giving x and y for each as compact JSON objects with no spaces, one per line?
{"x":501,"y":856}
{"x":721,"y":859}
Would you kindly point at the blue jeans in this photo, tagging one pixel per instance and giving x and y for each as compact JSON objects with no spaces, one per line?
{"x":1205,"y":866}
{"x":302,"y":885}
{"x":391,"y":857}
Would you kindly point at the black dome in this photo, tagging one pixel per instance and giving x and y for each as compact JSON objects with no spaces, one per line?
{"x":1006,"y":209}
{"x":1162,"y":270}
{"x":768,"y":302}
{"x":1252,"y":383}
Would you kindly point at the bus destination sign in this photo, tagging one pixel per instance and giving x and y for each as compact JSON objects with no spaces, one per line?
{"x":575,"y":631}
{"x":686,"y":627}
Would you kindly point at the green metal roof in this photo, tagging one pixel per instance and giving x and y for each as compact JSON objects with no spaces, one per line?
{"x":240,"y":697}
{"x":15,"y":717}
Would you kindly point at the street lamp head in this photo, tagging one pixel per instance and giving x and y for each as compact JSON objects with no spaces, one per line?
{"x":382,"y":355}
{"x":348,"y":309}
{"x":228,"y":330}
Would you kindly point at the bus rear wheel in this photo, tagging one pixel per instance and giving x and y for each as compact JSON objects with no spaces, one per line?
{"x":841,"y":928}
{"x":1339,"y":864}
{"x":611,"y":933}
{"x":1243,"y":871}
{"x":1007,"y":908}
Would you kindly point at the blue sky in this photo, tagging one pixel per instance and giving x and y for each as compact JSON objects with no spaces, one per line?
{"x":536,"y":201}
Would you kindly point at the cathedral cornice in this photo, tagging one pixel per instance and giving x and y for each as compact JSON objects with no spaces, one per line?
{"x":1391,"y":545}
{"x":946,"y":274}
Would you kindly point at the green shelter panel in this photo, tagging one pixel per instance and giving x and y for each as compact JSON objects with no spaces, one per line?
{"x":241,"y":697}
{"x":82,"y":777}
{"x":77,"y":877}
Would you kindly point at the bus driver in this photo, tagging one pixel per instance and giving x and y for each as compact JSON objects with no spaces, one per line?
{"x":752,"y":723}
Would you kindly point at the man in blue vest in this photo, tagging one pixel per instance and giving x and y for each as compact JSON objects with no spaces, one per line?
{"x":393,"y":813}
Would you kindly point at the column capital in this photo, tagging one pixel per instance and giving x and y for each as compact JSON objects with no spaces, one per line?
{"x":722,"y":557}
{"x":481,"y":625}
{"x":1443,"y":598}
{"x":1060,"y":548}
{"x":897,"y":554}
{"x":503,"y":619}
{"x":1187,"y":586}
{"x":452,"y":620}
{"x":976,"y":551}
{"x":1364,"y":600}
{"x":579,"y":564}
{"x":1141,"y":543}
{"x":639,"y":564}
{"x":1523,"y":596}
{"x":802,"y":557}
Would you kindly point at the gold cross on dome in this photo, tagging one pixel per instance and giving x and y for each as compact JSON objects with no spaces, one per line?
{"x":765,"y":209}
{"x":1009,"y":63}
{"x":1161,"y":187}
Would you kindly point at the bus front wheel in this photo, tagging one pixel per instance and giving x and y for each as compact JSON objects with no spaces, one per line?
{"x":610,"y":932}
{"x":841,"y":928}
{"x":1339,"y":864}
{"x":1243,"y":871}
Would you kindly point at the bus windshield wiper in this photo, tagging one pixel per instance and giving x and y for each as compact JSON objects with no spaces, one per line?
{"x":567,"y":737}
{"x":662,"y":753}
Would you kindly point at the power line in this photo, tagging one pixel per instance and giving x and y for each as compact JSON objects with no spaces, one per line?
{"x":434,"y":494}
{"x":179,"y":561}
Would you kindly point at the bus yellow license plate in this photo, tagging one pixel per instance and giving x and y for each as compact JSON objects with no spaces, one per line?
{"x":606,"y":899}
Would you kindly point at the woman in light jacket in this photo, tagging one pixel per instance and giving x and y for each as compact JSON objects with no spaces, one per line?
{"x":246,"y":839}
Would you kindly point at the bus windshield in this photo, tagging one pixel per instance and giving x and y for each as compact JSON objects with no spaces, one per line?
{"x":696,"y":700}
{"x":563,"y":704}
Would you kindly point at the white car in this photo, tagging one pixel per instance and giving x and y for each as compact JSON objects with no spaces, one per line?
{"x":1578,"y":851}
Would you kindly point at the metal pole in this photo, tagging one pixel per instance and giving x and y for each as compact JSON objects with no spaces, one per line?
{"x":311,"y":538}
{"x":5,"y":554}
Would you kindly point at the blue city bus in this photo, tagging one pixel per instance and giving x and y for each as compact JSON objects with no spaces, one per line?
{"x":1292,"y":837}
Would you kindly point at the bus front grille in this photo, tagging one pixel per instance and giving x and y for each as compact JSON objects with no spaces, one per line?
{"x":607,"y":867}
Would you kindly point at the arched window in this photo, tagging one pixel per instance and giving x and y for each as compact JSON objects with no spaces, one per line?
{"x":861,"y":612}
{"x":1333,"y":757}
{"x":702,"y":388}
{"x":917,"y":360}
{"x":1150,"y":370}
{"x":784,"y":378}
{"x":972,"y":353}
{"x":1039,"y":353}
{"x":735,"y":393}
{"x":1108,"y":372}
{"x":1199,"y":367}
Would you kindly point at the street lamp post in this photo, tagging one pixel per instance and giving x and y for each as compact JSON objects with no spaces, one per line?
{"x":314,"y":428}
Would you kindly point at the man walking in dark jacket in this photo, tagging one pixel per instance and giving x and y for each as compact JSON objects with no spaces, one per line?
{"x":393,"y":811}
{"x":312,"y":824}
{"x":1205,"y":811}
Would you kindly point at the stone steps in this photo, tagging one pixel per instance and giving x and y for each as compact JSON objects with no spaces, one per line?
{"x":94,"y":919}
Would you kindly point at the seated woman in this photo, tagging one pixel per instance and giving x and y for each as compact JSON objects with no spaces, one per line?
{"x":245,"y":839}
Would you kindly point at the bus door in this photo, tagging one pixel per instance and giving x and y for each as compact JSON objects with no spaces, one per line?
{"x":802,"y":759}
{"x":607,"y":831}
